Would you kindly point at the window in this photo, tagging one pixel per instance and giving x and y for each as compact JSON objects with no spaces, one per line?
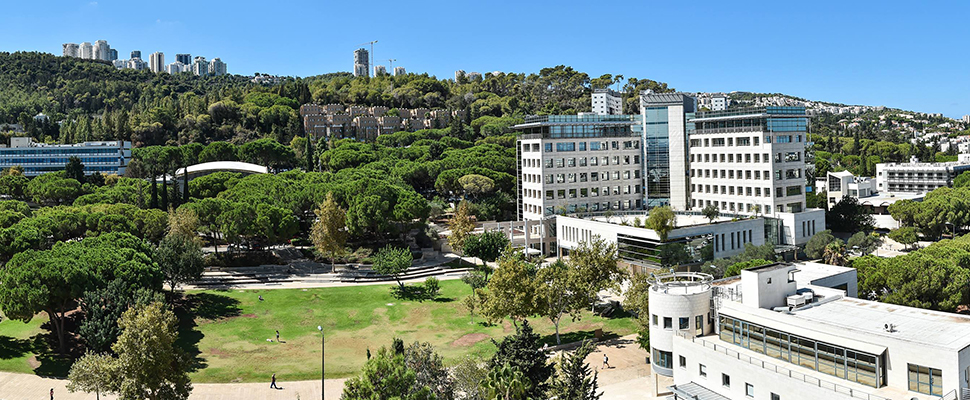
{"x":683,"y":362}
{"x":684,"y":323}
{"x":699,"y":325}
{"x":749,"y":390}
{"x":775,"y":397}
{"x":655,"y":320}
{"x":548,"y":147}
{"x":663,"y":359}
{"x":925,"y":380}
{"x":702,"y":370}
{"x":668,"y":323}
{"x":725,"y":380}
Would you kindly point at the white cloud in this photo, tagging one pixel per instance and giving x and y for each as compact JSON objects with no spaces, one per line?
{"x":93,"y":4}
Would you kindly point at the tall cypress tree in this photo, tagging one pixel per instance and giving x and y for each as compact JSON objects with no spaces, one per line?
{"x":308,"y":153}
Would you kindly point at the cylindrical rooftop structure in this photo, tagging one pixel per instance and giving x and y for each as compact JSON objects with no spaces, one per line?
{"x":680,"y":304}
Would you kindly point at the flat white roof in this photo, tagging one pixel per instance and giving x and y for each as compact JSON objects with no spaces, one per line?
{"x":929,"y":328}
{"x":683,"y":220}
{"x":889,"y":198}
{"x":807,"y":272}
{"x":224,"y":166}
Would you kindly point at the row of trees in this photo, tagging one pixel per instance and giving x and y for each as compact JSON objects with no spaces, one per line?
{"x":518,"y":370}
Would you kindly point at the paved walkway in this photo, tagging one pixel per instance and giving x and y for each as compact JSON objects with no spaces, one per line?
{"x":627,"y":378}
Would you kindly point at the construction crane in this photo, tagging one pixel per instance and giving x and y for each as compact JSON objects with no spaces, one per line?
{"x":370,"y":62}
{"x":390,"y":68}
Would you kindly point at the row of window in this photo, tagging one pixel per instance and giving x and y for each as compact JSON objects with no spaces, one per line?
{"x":592,"y":176}
{"x":583,"y":161}
{"x":582,"y":192}
{"x":616,"y":205}
{"x":787,"y":191}
{"x":790,"y":156}
{"x":795,"y":173}
{"x":683,"y":323}
{"x":583,"y":146}
{"x":50,"y":151}
{"x":747,"y":207}
{"x":62,"y":161}
{"x":731,"y":141}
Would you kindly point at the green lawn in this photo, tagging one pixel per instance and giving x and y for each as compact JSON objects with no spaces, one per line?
{"x":228,"y":335}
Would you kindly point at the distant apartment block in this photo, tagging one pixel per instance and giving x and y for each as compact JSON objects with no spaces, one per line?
{"x":135,"y":54}
{"x":607,"y":102}
{"x":109,"y":157}
{"x":71,"y":50}
{"x":380,"y":70}
{"x":361,"y":62}
{"x":156,"y":62}
{"x":86,"y":51}
{"x":917,"y":177}
{"x":200,"y":66}
{"x":176,"y":68}
{"x":719,"y":103}
{"x":459,"y":74}
{"x":217,"y":67}
{"x":366,"y":123}
{"x":399,"y":71}
{"x":184,"y":58}
{"x":101,"y":50}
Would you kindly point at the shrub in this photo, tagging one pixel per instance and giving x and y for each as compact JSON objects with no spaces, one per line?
{"x":431,"y":287}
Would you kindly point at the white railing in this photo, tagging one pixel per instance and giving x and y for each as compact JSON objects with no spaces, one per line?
{"x":854,"y":393}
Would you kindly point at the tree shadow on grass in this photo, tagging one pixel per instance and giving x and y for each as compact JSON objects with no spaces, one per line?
{"x":570,"y":337}
{"x":45,"y":360}
{"x":205,"y":306}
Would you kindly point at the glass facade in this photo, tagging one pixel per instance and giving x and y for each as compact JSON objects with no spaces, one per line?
{"x":656,"y":143}
{"x":663,"y":359}
{"x":682,"y":251}
{"x":925,"y":380}
{"x":867,"y":369}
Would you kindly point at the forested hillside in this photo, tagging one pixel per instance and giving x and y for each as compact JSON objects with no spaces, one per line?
{"x":96,"y":101}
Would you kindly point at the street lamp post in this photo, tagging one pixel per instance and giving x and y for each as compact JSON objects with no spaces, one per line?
{"x":322,"y":364}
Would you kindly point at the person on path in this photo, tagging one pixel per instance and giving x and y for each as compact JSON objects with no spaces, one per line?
{"x":52,"y":393}
{"x":272,"y":385}
{"x":277,"y":336}
{"x":606,"y":361}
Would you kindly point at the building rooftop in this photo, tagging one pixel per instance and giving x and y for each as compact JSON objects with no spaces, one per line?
{"x":587,"y":118}
{"x":733,"y":113}
{"x":930,"y":328}
{"x":887,"y":198}
{"x":807,"y":272}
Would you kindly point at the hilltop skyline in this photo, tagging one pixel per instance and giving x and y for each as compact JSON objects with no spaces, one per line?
{"x":833,"y":52}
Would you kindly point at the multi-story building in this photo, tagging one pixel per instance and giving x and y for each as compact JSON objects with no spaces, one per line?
{"x":38,"y":158}
{"x":917,"y":177}
{"x":380,"y":70}
{"x":459,"y":74}
{"x":200,"y":67}
{"x":751,"y":161}
{"x":217,"y":67}
{"x":120,"y":64}
{"x":156,"y":62}
{"x":474,"y":76}
{"x":606,"y":102}
{"x":578,"y":163}
{"x":184,"y":58}
{"x":836,"y":185}
{"x":361,"y":62}
{"x":664,"y":132}
{"x":112,"y":54}
{"x":399,"y":71}
{"x":101,"y":50}
{"x":135,"y":54}
{"x":796,"y":331}
{"x":86,"y":51}
{"x":136,"y":63}
{"x":71,"y":49}
{"x":176,"y":68}
{"x":719,"y":103}
{"x":365,"y":127}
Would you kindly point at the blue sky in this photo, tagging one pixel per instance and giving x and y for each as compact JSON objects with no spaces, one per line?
{"x":910,"y":55}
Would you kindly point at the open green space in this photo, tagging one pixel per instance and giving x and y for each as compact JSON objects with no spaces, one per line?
{"x":227,"y":332}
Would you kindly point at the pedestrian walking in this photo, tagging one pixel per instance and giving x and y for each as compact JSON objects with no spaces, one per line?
{"x":606,"y":361}
{"x":277,"y":336}
{"x":52,"y":393}
{"x":272,"y":385}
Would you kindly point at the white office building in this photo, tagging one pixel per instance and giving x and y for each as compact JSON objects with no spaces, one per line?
{"x":86,"y":51}
{"x":110,"y":157}
{"x":71,"y":50}
{"x":751,"y":161}
{"x":217,"y":67}
{"x":796,"y":331}
{"x":156,"y":62}
{"x":606,"y":102}
{"x":200,"y":66}
{"x":578,"y":163}
{"x":917,"y":177}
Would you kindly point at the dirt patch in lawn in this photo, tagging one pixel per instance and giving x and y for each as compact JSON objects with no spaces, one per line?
{"x":33,"y":363}
{"x":469,"y":339}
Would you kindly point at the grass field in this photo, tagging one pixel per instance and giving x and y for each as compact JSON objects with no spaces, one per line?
{"x":226,"y":331}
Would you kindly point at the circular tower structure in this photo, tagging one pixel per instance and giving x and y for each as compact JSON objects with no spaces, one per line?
{"x":680,"y":304}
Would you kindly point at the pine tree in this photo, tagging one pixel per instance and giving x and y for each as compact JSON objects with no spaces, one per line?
{"x":574,"y":379}
{"x":521,"y":351}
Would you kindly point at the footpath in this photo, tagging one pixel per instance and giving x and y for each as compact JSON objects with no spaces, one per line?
{"x":627,"y":378}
